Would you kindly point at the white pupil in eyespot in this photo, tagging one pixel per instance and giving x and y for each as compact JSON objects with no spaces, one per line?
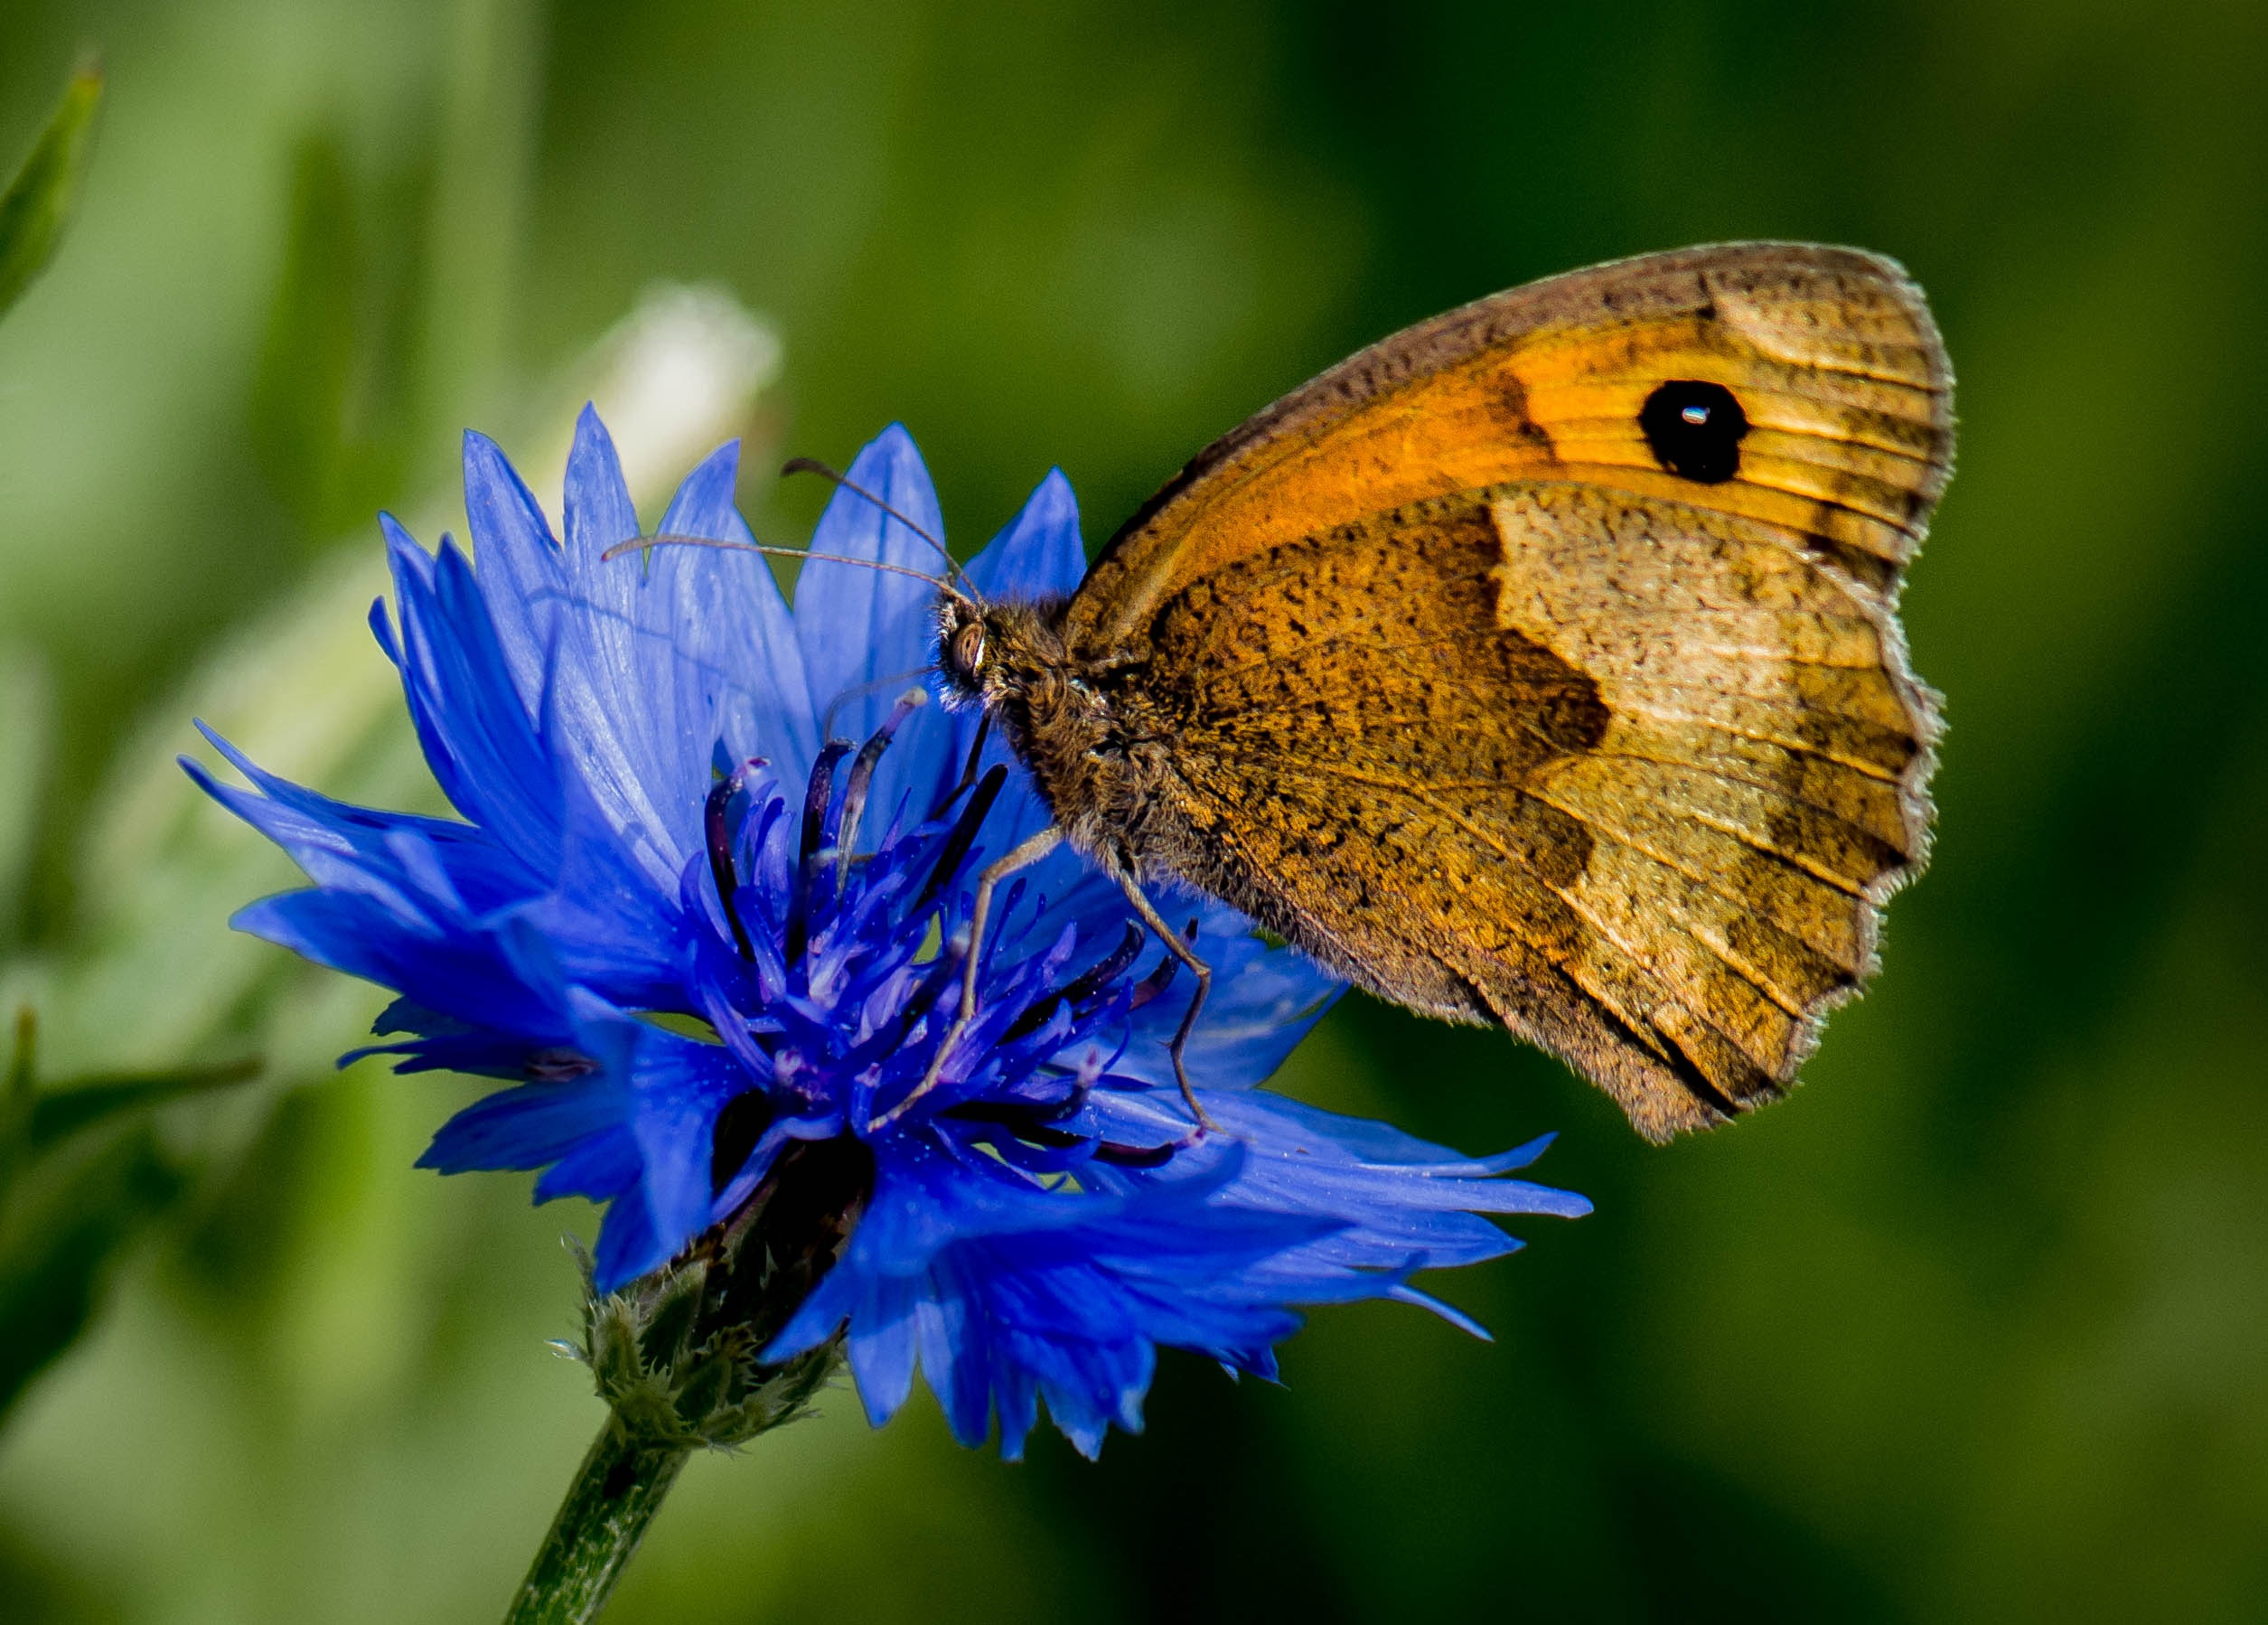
{"x":1694,"y":415}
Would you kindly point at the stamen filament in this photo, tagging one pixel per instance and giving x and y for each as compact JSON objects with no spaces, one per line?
{"x":861,"y":780}
{"x":820,"y":791}
{"x":955,"y":851}
{"x":718,"y":835}
{"x":969,"y":770}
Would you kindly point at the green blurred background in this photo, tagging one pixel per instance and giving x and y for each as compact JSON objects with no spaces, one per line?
{"x":1974,"y":1328}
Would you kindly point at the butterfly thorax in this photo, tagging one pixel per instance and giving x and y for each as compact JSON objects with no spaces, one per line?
{"x":1087,"y":732}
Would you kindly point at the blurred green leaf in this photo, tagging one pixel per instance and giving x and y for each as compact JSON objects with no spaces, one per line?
{"x":38,"y":202}
{"x":26,"y":706}
{"x":299,"y":395}
{"x":72,"y":1198}
{"x":16,"y":1105}
{"x":329,"y":410}
{"x":66,"y":1109}
{"x":58,"y":1249}
{"x":35,"y":1121}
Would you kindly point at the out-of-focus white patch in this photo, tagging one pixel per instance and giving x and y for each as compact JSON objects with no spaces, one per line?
{"x":680,"y":373}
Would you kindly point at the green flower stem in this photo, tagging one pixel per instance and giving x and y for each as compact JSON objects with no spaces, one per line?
{"x":615,"y":1494}
{"x":674,"y":1355}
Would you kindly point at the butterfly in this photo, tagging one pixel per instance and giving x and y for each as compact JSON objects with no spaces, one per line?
{"x":1539,"y":665}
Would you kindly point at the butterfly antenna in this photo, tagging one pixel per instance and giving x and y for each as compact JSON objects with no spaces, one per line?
{"x":639,"y":544}
{"x":814,"y":465}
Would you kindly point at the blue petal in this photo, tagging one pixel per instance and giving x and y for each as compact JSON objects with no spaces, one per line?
{"x":603,"y":1168}
{"x":1264,"y":1000}
{"x":526,"y":1127}
{"x":609,"y":924}
{"x":1039,"y":552}
{"x":679,"y":1086}
{"x":702,"y":505}
{"x":493,"y":978}
{"x":882,"y":1345}
{"x":627,"y":1246}
{"x":635,"y":715}
{"x":517,"y":560}
{"x":599,"y":511}
{"x":734,"y":627}
{"x":1405,"y":1203}
{"x":419,"y":869}
{"x":970,"y":1270}
{"x":479,"y":738}
{"x":856,"y":624}
{"x":955,"y":1342}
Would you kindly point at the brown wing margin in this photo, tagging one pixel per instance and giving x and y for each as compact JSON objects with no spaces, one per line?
{"x":1882,"y":377}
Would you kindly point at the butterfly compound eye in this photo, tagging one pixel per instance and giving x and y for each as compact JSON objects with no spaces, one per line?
{"x":1694,"y":429}
{"x":968,"y":646}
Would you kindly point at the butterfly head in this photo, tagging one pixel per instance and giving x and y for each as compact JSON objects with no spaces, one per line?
{"x":994,"y":654}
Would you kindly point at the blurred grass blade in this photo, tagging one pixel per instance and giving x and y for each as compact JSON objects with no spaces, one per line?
{"x":61,"y":1112}
{"x":16,"y":1104}
{"x":24,"y":1058}
{"x":26,"y":706}
{"x":36,"y":1121}
{"x":38,"y":202}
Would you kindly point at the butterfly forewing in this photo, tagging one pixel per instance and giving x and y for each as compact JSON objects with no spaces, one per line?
{"x":1539,"y":663}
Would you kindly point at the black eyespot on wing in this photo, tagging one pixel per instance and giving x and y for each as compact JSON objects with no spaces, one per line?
{"x":1694,"y":429}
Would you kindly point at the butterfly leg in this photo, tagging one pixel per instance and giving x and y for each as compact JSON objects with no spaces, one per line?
{"x":1022,"y":856}
{"x":1203,"y":971}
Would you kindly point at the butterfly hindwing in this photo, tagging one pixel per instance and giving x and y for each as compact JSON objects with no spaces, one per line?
{"x":1539,"y":665}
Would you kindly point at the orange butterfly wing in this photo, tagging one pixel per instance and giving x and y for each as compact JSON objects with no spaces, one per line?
{"x":1831,"y":351}
{"x":1539,"y":663}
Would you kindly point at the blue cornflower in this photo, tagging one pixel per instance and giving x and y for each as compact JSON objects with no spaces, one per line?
{"x":708,"y":900}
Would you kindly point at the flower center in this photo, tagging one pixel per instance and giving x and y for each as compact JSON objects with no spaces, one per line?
{"x":853,"y":964}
